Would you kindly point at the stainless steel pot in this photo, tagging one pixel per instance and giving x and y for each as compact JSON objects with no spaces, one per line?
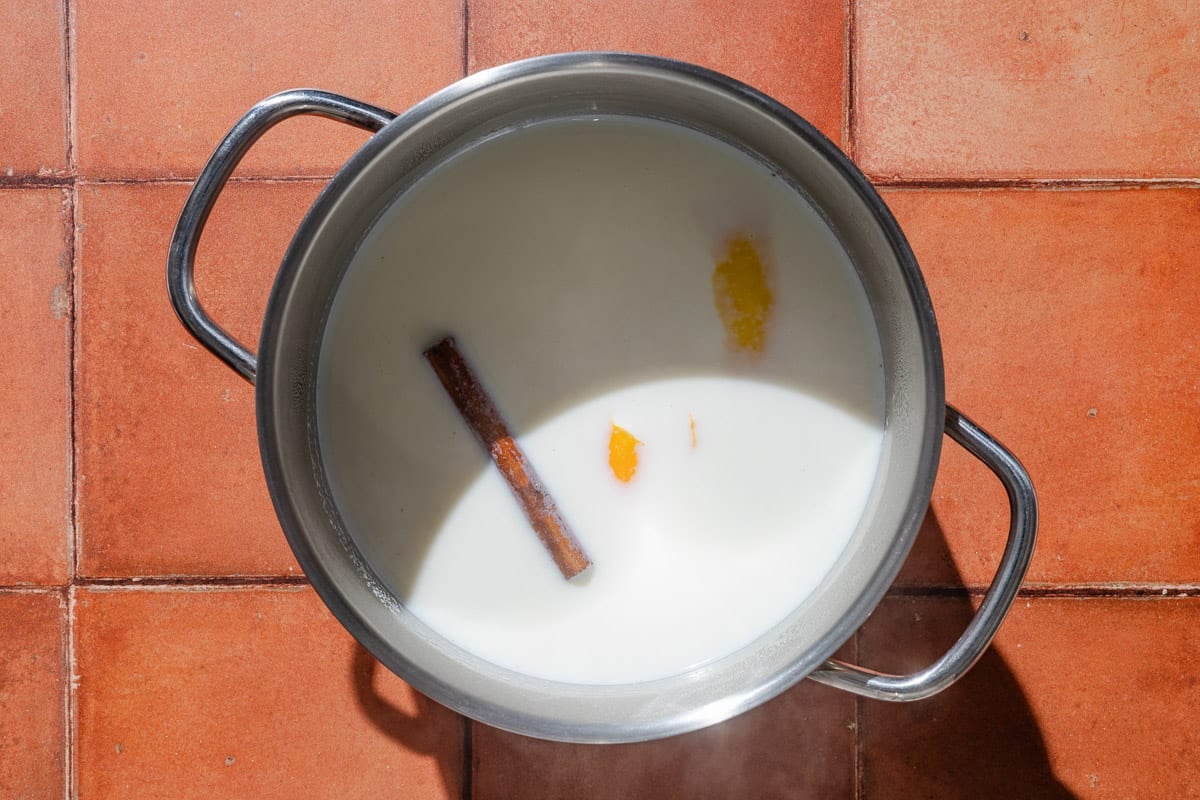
{"x":404,"y":148}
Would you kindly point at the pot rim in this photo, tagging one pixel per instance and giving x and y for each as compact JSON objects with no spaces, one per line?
{"x":273,"y":386}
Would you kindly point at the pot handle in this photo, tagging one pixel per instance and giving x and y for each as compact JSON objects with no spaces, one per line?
{"x":971,"y":645}
{"x":182,"y":255}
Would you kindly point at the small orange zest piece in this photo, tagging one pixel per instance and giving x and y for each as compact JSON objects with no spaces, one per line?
{"x":692,"y":425}
{"x":742,"y":296}
{"x":622,"y":453}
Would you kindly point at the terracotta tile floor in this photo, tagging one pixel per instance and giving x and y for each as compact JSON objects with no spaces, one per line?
{"x":156,"y":637}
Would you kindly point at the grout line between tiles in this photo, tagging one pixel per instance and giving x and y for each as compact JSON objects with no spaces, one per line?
{"x":849,"y":92}
{"x":1066,"y":590}
{"x":71,"y":767}
{"x":468,"y":759}
{"x":72,"y":292}
{"x":60,"y":181}
{"x":188,"y":181}
{"x":1047,"y":184}
{"x":860,"y":758}
{"x":859,"y":762}
{"x":466,"y":38}
{"x":71,"y":190}
{"x":74,"y":285}
{"x":193,"y":584}
{"x":1101,"y":591}
{"x":74,"y":289}
{"x":68,"y":18}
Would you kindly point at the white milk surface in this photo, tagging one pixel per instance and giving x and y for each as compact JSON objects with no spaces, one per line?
{"x":573,"y":262}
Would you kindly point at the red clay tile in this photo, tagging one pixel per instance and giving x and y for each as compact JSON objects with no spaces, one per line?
{"x":35,"y":443}
{"x":792,"y":51}
{"x":1019,"y":90}
{"x":1069,"y":325}
{"x":33,"y":110}
{"x":1081,"y":699}
{"x":247,"y":693}
{"x":169,"y":479}
{"x":798,"y":745}
{"x":32,"y":696}
{"x":158,"y":86}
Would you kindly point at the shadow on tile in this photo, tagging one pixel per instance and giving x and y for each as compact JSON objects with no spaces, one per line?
{"x":979,"y":739}
{"x":413,"y":732}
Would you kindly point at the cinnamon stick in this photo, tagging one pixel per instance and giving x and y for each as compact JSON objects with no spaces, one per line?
{"x":484,"y":420}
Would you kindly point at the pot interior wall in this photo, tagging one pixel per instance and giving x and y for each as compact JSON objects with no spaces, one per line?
{"x":550,"y":88}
